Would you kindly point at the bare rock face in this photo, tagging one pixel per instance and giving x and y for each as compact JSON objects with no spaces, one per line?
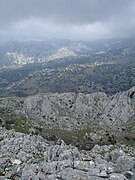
{"x":125,"y":164}
{"x":32,"y":157}
{"x":76,"y":110}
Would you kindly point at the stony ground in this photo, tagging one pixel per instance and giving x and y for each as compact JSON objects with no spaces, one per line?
{"x":30,"y":157}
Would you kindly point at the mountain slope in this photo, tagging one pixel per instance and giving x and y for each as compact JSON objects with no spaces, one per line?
{"x":96,"y":111}
{"x":31,"y":67}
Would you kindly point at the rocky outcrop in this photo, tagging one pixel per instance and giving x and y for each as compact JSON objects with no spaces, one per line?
{"x":32,"y":157}
{"x":76,"y":110}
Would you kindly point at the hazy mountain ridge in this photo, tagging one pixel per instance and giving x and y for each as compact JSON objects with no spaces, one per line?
{"x":22,"y":53}
{"x":67,"y":66}
{"x":27,"y":52}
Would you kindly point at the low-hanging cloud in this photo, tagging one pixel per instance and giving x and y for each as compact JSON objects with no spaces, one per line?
{"x":73,"y":19}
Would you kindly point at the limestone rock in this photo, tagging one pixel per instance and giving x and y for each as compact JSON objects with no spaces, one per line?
{"x":76,"y":110}
{"x":125,"y":163}
{"x":32,"y":157}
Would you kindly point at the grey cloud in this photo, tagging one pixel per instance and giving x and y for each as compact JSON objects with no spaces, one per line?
{"x":70,"y":11}
{"x":72,"y":19}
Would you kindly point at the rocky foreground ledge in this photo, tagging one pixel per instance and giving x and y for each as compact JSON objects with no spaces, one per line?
{"x":29,"y":157}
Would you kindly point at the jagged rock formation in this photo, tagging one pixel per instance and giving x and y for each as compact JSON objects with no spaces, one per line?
{"x":72,"y":110}
{"x":32,"y":157}
{"x":82,"y":120}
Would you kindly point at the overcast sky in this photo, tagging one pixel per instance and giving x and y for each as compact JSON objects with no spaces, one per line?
{"x":70,"y":19}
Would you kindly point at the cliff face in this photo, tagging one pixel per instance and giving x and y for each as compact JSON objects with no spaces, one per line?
{"x":76,"y":110}
{"x":72,"y":110}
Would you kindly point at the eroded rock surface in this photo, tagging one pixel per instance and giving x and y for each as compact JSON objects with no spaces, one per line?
{"x":32,"y":157}
{"x":76,"y":110}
